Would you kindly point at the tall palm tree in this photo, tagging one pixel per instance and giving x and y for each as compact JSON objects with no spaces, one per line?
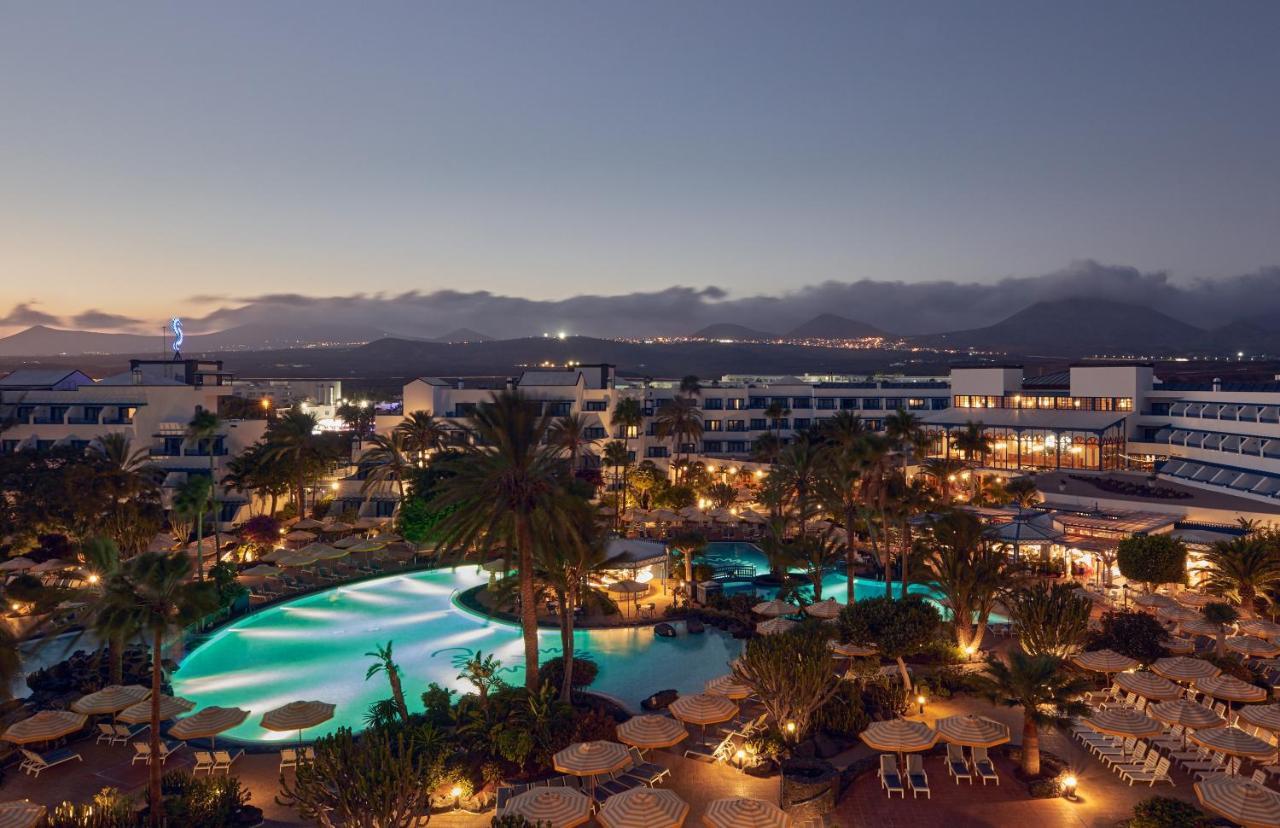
{"x":796,"y":473}
{"x":617,"y":458}
{"x":192,"y":502}
{"x":818,"y":553}
{"x":203,"y":430}
{"x":384,"y":662}
{"x":967,"y":572}
{"x":838,"y":488}
{"x":690,"y":386}
{"x":387,"y":462}
{"x":130,"y":480}
{"x":251,"y":472}
{"x":876,"y":486}
{"x":423,"y":434}
{"x":1243,"y":569}
{"x":116,"y":448}
{"x":291,"y":442}
{"x":679,"y":421}
{"x":1047,"y":694}
{"x":152,"y":594}
{"x":973,"y":443}
{"x":10,"y":662}
{"x":776,"y":412}
{"x":569,"y":434}
{"x":913,"y":499}
{"x":102,"y":561}
{"x":943,"y":471}
{"x":628,"y":415}
{"x":507,"y":491}
{"x":563,"y":567}
{"x":766,"y":448}
{"x":844,"y":430}
{"x":1023,"y":492}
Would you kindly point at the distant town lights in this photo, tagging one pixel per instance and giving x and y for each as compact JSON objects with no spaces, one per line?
{"x":562,"y":335}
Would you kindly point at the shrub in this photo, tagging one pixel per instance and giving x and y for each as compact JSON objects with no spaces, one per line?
{"x":551,"y":671}
{"x":108,"y":809}
{"x":262,"y":530}
{"x":210,"y":800}
{"x":1131,"y":633}
{"x":1153,"y":559}
{"x":437,"y":702}
{"x":844,"y":715}
{"x":595,"y":725}
{"x":1166,"y":812}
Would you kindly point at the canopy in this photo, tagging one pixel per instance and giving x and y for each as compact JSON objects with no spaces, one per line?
{"x":727,"y":686}
{"x":297,"y":715}
{"x":1239,"y":800}
{"x":1148,"y":685}
{"x":21,"y":813}
{"x":555,"y":807}
{"x":826,"y":610}
{"x":740,"y":812}
{"x":665,"y":516}
{"x":1175,"y":613}
{"x":171,"y":707}
{"x":1231,"y":689}
{"x":1104,"y":661}
{"x":628,"y":587}
{"x":626,"y":553}
{"x":1194,"y":599}
{"x":1234,"y":741}
{"x":1186,"y":713}
{"x":1199,"y":627}
{"x":651,"y":732}
{"x":591,"y":758}
{"x":972,"y":731}
{"x":899,"y":736}
{"x":276,"y":554}
{"x":208,"y":722}
{"x":643,"y":808}
{"x":774,"y":626}
{"x":1251,"y":646}
{"x":298,"y":535}
{"x":1184,"y":669}
{"x":363,"y":546}
{"x":1265,"y":716}
{"x":774,"y":608}
{"x":1152,"y":599}
{"x":703,"y":709}
{"x":16,"y":564}
{"x":1124,"y":721}
{"x":260,"y":571}
{"x":336,"y":527}
{"x":45,"y":726}
{"x":110,"y":699}
{"x":1260,"y":628}
{"x":347,"y":542}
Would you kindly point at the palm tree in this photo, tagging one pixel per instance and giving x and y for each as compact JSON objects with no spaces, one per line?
{"x":387,"y":462}
{"x":1047,"y":694}
{"x":914,"y":498}
{"x":152,"y":594}
{"x":423,"y":434}
{"x":968,"y":573}
{"x":191,"y":502}
{"x":10,"y":662}
{"x":844,"y":430}
{"x":251,"y":472}
{"x":943,"y":471}
{"x":291,"y":442}
{"x":1242,"y":569}
{"x":838,"y":489}
{"x":617,"y":458}
{"x":776,"y":413}
{"x":816,"y":555}
{"x":766,"y":448}
{"x":1051,"y":619}
{"x":129,"y":479}
{"x":973,"y":443}
{"x":203,"y":429}
{"x":482,"y":672}
{"x":1023,"y":492}
{"x":102,"y":561}
{"x":679,"y":421}
{"x":689,"y":386}
{"x":116,"y":448}
{"x":628,"y":415}
{"x":507,"y":491}
{"x":690,"y":544}
{"x":876,"y":485}
{"x":564,"y":567}
{"x":384,"y":662}
{"x":1222,"y":615}
{"x":796,"y":474}
{"x":569,"y":434}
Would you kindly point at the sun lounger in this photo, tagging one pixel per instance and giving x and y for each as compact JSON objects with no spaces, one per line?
{"x":34,"y":762}
{"x":106,"y":733}
{"x":1160,"y":774}
{"x":890,"y":779}
{"x":1146,"y":765}
{"x":288,"y":758}
{"x":142,"y":751}
{"x":204,"y":762}
{"x":983,"y":766}
{"x":125,"y":734}
{"x":1136,"y":756}
{"x":651,"y":772}
{"x":223,"y":760}
{"x":956,"y":765}
{"x":916,"y":777}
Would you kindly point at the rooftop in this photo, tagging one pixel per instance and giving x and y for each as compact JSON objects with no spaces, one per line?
{"x":1027,"y":418}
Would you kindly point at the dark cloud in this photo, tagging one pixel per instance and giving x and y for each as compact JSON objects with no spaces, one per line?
{"x":900,"y":307}
{"x":101,"y":320}
{"x":25,"y":313}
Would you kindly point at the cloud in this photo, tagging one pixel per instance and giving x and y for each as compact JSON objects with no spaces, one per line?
{"x":101,"y":320}
{"x":24,"y":314}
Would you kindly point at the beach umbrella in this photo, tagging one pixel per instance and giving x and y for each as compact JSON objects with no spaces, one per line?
{"x":775,"y":626}
{"x":591,"y":758}
{"x":52,"y":565}
{"x":17,"y":564}
{"x":703,"y":709}
{"x":307,"y":524}
{"x":297,"y":715}
{"x":276,"y":554}
{"x":775,"y":608}
{"x":365,"y":545}
{"x":299,"y":557}
{"x":1152,"y":599}
{"x":826,"y":610}
{"x":207,"y":723}
{"x":845,"y":650}
{"x":1265,"y":716}
{"x":1194,"y":599}
{"x":899,"y":736}
{"x":665,"y":516}
{"x":1199,"y":627}
{"x":1176,"y":613}
{"x":555,"y":807}
{"x":1240,"y":800}
{"x":111,"y":699}
{"x":171,"y":707}
{"x":390,"y":537}
{"x":45,"y":726}
{"x":369,"y":522}
{"x":741,"y":812}
{"x":347,"y":542}
{"x":21,"y":813}
{"x":336,"y":527}
{"x":1186,"y":713}
{"x":1180,"y":646}
{"x":1125,"y":722}
{"x":972,"y":731}
{"x":496,"y":565}
{"x":651,"y":732}
{"x":1104,"y":661}
{"x":1234,"y":741}
{"x":299,"y":536}
{"x":1148,"y":685}
{"x":643,"y":808}
{"x":330,"y":553}
{"x":260,"y":571}
{"x":726,"y":686}
{"x":1231,"y":689}
{"x":1251,"y":646}
{"x":628,"y":587}
{"x":1181,"y":668}
{"x":1260,"y":628}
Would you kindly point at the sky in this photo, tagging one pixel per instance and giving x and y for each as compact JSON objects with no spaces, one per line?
{"x":162,"y":158}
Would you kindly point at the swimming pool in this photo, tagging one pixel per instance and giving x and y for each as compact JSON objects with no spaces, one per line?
{"x":834,"y":584}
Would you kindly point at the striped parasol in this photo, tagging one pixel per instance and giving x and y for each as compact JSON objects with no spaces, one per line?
{"x":775,"y":608}
{"x":1186,"y":713}
{"x":1176,"y":613}
{"x":1194,"y":599}
{"x":1239,"y":800}
{"x":110,"y":699}
{"x":299,"y":557}
{"x":336,"y":528}
{"x":260,"y":571}
{"x":21,"y":814}
{"x":703,"y":709}
{"x":347,"y":542}
{"x":1252,"y":646}
{"x":727,"y":686}
{"x":591,"y":758}
{"x":1230,"y":688}
{"x":365,"y":546}
{"x":171,"y":707}
{"x":1234,"y":741}
{"x":325,"y":552}
{"x":1180,"y":646}
{"x":775,"y":626}
{"x":208,"y":722}
{"x":741,"y":812}
{"x":1124,"y":721}
{"x":1104,"y":661}
{"x":1265,"y":716}
{"x":643,"y":808}
{"x":1259,"y":627}
{"x":1148,"y":685}
{"x":45,"y":726}
{"x":899,"y":736}
{"x":554,"y":807}
{"x":297,"y":715}
{"x":845,"y":650}
{"x":972,"y":731}
{"x":276,"y":554}
{"x":825,"y":610}
{"x":651,"y":732}
{"x":1199,"y":627}
{"x":1151,"y":599}
{"x":299,"y":535}
{"x":1181,"y":668}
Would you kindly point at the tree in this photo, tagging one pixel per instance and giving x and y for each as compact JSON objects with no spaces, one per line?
{"x":1023,"y":492}
{"x":360,"y":417}
{"x":152,"y":594}
{"x":1222,"y":615}
{"x":1132,"y":633}
{"x":689,"y":386}
{"x":969,"y":574}
{"x":974,"y":443}
{"x":628,"y":415}
{"x":838,"y":490}
{"x":507,"y":491}
{"x":617,"y":458}
{"x":943,"y":471}
{"x":1051,"y":620}
{"x":384,"y":662}
{"x":483,"y":672}
{"x":766,"y":448}
{"x":1153,"y":559}
{"x":679,"y":421}
{"x":102,"y":561}
{"x":203,"y":431}
{"x":722,"y":495}
{"x":897,"y":628}
{"x":423,"y":434}
{"x":1243,"y":569}
{"x":689,"y":543}
{"x":292,"y":442}
{"x":192,"y":501}
{"x":913,"y":499}
{"x":253,"y":471}
{"x":792,"y":675}
{"x":385,"y":463}
{"x":1047,"y":694}
{"x":795,"y":474}
{"x":569,"y":434}
{"x":776,"y":412}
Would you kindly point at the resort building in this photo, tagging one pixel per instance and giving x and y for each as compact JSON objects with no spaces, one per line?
{"x":321,"y":397}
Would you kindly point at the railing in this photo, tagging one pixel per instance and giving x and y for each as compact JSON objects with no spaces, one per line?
{"x":733,"y":572}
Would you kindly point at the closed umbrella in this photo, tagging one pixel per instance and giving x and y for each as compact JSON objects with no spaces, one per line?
{"x":643,"y":808}
{"x":554,"y":807}
{"x":208,"y":722}
{"x":899,"y":736}
{"x":774,"y":608}
{"x":591,"y":758}
{"x":651,"y":732}
{"x":1265,"y":716}
{"x":775,"y":626}
{"x":741,"y":812}
{"x":1105,"y":661}
{"x":1125,"y":722}
{"x":727,"y":686}
{"x":1260,"y":628}
{"x":111,"y":699}
{"x":847,"y":650}
{"x":972,"y":731}
{"x":1239,"y":800}
{"x":45,"y":726}
{"x":1230,"y":689}
{"x":1148,"y":685}
{"x":21,"y":814}
{"x":826,"y":610}
{"x":1251,"y":646}
{"x":171,"y":707}
{"x":297,"y":715}
{"x":1234,"y":741}
{"x":1183,"y":669}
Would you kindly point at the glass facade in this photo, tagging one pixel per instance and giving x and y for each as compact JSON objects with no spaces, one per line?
{"x":1015,"y":449}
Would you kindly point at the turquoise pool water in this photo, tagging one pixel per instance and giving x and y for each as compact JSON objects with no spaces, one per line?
{"x":834,"y":585}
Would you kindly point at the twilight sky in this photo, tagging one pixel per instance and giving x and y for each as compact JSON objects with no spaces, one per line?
{"x":160,"y":158}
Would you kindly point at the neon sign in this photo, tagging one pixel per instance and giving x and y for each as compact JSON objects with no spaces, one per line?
{"x":175,"y":325}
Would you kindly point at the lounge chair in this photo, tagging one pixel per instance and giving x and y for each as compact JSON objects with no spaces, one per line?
{"x":34,"y":762}
{"x":142,"y":751}
{"x":288,"y":758}
{"x":125,"y":734}
{"x":916,"y":777}
{"x":106,"y":733}
{"x":956,"y":765}
{"x":1159,"y":774}
{"x":204,"y":762}
{"x":983,"y":766}
{"x":223,"y":760}
{"x":890,"y":779}
{"x":651,"y":772}
{"x":308,"y":755}
{"x":1146,"y":765}
{"x":1135,"y":757}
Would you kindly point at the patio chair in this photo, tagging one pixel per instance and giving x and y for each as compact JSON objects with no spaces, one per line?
{"x":1207,"y":761}
{"x":1124,"y":748}
{"x":1231,"y":766}
{"x":1171,"y":742}
{"x":1159,"y":774}
{"x":34,"y":762}
{"x":890,"y":779}
{"x":106,"y":733}
{"x":204,"y":762}
{"x":141,"y":753}
{"x":1134,"y":757}
{"x":223,"y":760}
{"x":308,"y":755}
{"x":916,"y":777}
{"x":1146,"y":764}
{"x":956,"y":765}
{"x":651,"y":772}
{"x":983,"y":766}
{"x":288,"y":758}
{"x":125,"y":734}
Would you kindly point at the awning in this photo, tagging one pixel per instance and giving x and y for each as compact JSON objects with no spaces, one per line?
{"x":1245,"y":482}
{"x":1162,"y":436}
{"x":620,"y":553}
{"x":1230,"y":443}
{"x":1026,"y":418}
{"x":1250,"y":445}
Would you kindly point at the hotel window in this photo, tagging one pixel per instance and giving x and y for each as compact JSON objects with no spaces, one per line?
{"x":871,"y":404}
{"x":759,"y":402}
{"x":917,"y":403}
{"x":661,"y":402}
{"x":736,"y":425}
{"x":464,"y":409}
{"x":785,"y":402}
{"x":848,"y":403}
{"x":784,"y":424}
{"x":736,"y":403}
{"x":875,"y":425}
{"x":759,"y":424}
{"x":559,"y":409}
{"x":596,"y":405}
{"x":802,"y":423}
{"x":826,"y":403}
{"x":631,"y":431}
{"x":594,"y":433}
{"x":712,"y":425}
{"x":736,"y":446}
{"x":656,"y":451}
{"x":940,"y":403}
{"x":801,"y":402}
{"x":712,"y":446}
{"x":892,"y":403}
{"x":713,"y":404}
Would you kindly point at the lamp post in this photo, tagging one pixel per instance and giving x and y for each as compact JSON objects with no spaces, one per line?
{"x":920,"y":700}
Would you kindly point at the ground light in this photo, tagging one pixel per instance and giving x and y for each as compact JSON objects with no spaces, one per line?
{"x":920,"y":700}
{"x":1069,"y":788}
{"x":741,"y":756}
{"x":456,"y":793}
